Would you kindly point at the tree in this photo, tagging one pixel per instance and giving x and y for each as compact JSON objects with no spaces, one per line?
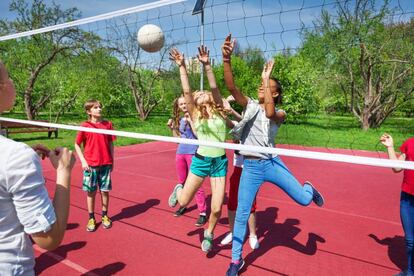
{"x":369,"y":57}
{"x":31,"y":56}
{"x":145,"y":83}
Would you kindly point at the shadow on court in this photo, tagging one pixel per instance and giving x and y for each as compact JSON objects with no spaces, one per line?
{"x":71,"y":226}
{"x":109,"y":269}
{"x":47,"y":260}
{"x":134,"y":210}
{"x":280,"y":234}
{"x":396,"y":249}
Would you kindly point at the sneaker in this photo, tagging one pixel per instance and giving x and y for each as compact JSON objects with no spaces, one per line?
{"x":227,"y":239}
{"x":106,"y":222}
{"x":91,"y":226}
{"x":180,"y":212}
{"x":253,"y":242}
{"x":202,"y":219}
{"x":317,"y":196}
{"x":207,"y":243}
{"x":235,"y":268}
{"x":172,"y":200}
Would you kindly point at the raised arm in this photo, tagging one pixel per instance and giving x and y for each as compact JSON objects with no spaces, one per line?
{"x":227,"y":50}
{"x":387,"y":141}
{"x":269,"y":103}
{"x":203,"y":57}
{"x":178,"y":58}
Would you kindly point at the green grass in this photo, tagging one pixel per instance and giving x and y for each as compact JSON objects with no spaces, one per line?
{"x":319,"y":131}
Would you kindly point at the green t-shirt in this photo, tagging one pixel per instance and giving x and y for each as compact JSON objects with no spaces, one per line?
{"x":213,"y":129}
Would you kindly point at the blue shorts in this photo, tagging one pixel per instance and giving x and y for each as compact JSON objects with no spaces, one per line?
{"x":99,"y":176}
{"x":209,"y":166}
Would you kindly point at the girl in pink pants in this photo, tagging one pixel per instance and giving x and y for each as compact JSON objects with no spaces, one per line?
{"x":181,"y":126}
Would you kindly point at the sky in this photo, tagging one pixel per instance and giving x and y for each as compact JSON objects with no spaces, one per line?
{"x":272,"y":25}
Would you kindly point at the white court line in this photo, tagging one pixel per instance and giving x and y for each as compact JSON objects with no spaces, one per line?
{"x":64,"y":261}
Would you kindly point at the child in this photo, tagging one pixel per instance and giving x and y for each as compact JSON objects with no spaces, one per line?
{"x":206,"y":111}
{"x":181,"y":126}
{"x":27,"y":215}
{"x":232,"y":204}
{"x":97,"y":162}
{"x":234,"y":189}
{"x":259,"y":126}
{"x":407,"y":196}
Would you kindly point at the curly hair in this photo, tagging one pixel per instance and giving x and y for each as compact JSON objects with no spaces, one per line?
{"x":201,"y":108}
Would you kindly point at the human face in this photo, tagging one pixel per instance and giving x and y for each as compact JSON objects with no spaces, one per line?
{"x":7,"y":95}
{"x":95,"y":111}
{"x":261,"y":90}
{"x":182,"y":105}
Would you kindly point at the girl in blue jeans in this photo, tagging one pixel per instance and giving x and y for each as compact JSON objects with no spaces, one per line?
{"x":259,"y":126}
{"x":407,"y":196}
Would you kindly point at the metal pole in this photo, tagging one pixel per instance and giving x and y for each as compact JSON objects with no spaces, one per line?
{"x":202,"y":43}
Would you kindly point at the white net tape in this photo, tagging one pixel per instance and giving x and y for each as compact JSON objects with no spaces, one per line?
{"x":284,"y":152}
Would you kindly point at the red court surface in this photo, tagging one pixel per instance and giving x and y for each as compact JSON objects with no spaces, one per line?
{"x":357,"y":232}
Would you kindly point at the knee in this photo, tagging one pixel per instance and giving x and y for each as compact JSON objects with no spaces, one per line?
{"x":216,"y":211}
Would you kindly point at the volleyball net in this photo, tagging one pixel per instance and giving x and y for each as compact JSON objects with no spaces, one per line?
{"x":328,"y":59}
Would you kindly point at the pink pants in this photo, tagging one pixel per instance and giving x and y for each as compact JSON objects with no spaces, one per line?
{"x":182,"y":164}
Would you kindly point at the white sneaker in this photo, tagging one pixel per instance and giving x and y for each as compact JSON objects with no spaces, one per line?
{"x":254,"y":242}
{"x":227,"y":239}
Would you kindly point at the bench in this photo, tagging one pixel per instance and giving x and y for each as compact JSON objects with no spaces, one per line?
{"x":11,"y":127}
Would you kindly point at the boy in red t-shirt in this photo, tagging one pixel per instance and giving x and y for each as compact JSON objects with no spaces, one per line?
{"x":407,"y":196}
{"x":97,"y":162}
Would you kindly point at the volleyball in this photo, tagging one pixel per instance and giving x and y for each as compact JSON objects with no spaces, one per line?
{"x":150,"y":38}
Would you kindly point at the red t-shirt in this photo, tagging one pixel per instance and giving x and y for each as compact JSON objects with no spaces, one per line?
{"x":96,"y":147}
{"x":408,"y":182}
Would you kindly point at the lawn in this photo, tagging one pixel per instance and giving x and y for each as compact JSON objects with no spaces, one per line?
{"x":319,"y":131}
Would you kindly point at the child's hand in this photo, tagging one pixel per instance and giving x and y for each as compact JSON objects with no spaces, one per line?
{"x":226,"y":106}
{"x":230,"y":99}
{"x":387,"y":140}
{"x":41,"y":150}
{"x":203,"y":55}
{"x":62,"y":158}
{"x":227,"y":48}
{"x":187,"y":117}
{"x":170,"y":123}
{"x":177,"y":57}
{"x":267,"y":69}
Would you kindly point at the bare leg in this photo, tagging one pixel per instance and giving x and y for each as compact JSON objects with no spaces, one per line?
{"x":218,"y":188}
{"x":105,"y":200}
{"x":90,"y":202}
{"x":192,"y":184}
{"x":252,"y":224}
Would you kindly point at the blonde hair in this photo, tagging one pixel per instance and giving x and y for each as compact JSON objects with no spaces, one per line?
{"x":201,"y":109}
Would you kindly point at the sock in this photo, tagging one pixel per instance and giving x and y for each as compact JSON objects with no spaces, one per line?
{"x":104,"y":213}
{"x":236,"y":262}
{"x":203,"y":214}
{"x":91,"y":216}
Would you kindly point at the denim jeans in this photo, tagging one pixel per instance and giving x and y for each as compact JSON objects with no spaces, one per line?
{"x":255,"y":172}
{"x":407,"y":219}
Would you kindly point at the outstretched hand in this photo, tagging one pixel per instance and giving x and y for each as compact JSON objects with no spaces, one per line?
{"x":203,"y":54}
{"x":41,"y":150}
{"x":387,"y":140}
{"x":62,"y":158}
{"x":176,"y":56}
{"x":267,"y":69}
{"x":227,"y":48}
